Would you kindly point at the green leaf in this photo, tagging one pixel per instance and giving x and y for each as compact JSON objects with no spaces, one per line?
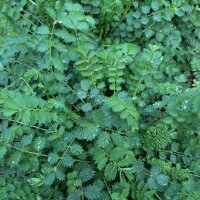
{"x":34,"y":181}
{"x":155,"y":5}
{"x":145,"y":9}
{"x":9,"y":112}
{"x":85,"y":85}
{"x":65,"y":35}
{"x":7,"y":135}
{"x":82,"y":94}
{"x":26,"y":116}
{"x":43,"y":30}
{"x":196,"y":105}
{"x":73,"y":7}
{"x":31,"y":73}
{"x":117,"y":153}
{"x":60,"y":47}
{"x":14,"y":159}
{"x":90,"y":20}
{"x":3,"y":150}
{"x":51,"y":13}
{"x":182,"y":78}
{"x":87,"y":107}
{"x":73,"y":196}
{"x":83,"y":26}
{"x":53,"y":158}
{"x":58,"y":64}
{"x":144,"y":20}
{"x":191,"y":186}
{"x":26,"y":140}
{"x":60,"y":175}
{"x":158,"y":137}
{"x":101,"y":163}
{"x":149,"y":32}
{"x":110,"y":171}
{"x":100,"y":157}
{"x":168,"y":15}
{"x":76,"y":149}
{"x":92,"y":192}
{"x":68,"y":161}
{"x":49,"y":179}
{"x":151,"y":181}
{"x":103,"y":139}
{"x":126,"y":108}
{"x":43,"y":46}
{"x":87,"y":173}
{"x":174,"y":39}
{"x":39,"y":143}
{"x":162,"y":179}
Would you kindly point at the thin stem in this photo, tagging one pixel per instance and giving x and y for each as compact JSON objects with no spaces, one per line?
{"x":27,"y":19}
{"x":158,"y":196}
{"x":72,"y":90}
{"x":20,"y":77}
{"x":38,"y":154}
{"x":109,"y":192}
{"x":25,"y":151}
{"x":122,"y":18}
{"x":135,"y":93}
{"x":33,"y":3}
{"x":162,"y":10}
{"x":192,"y":173}
{"x":17,"y":61}
{"x":77,"y":40}
{"x":51,"y":194}
{"x":87,"y":161}
{"x":170,"y":151}
{"x":55,"y":168}
{"x":50,"y":43}
{"x":34,"y":17}
{"x":32,"y":126}
{"x":8,"y":86}
{"x":27,"y":84}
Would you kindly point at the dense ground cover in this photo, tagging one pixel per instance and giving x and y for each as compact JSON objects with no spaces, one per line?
{"x":100,"y":99}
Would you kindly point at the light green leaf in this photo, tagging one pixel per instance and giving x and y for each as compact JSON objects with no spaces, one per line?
{"x":7,"y":135}
{"x":3,"y":150}
{"x":26,"y":140}
{"x":43,"y":30}
{"x":162,"y":179}
{"x":117,"y":152}
{"x":49,"y":179}
{"x":53,"y":158}
{"x":39,"y":143}
{"x":14,"y":158}
{"x":110,"y":171}
{"x":65,"y":35}
{"x":9,"y":112}
{"x":90,"y":20}
{"x":26,"y":116}
{"x":155,"y":5}
{"x":60,"y":175}
{"x":182,"y":78}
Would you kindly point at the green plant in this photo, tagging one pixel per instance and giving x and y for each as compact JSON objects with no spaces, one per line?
{"x":99,"y":99}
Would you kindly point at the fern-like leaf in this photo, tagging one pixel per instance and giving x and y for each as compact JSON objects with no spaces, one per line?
{"x":158,"y":137}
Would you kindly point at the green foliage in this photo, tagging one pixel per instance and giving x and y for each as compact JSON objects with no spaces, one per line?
{"x":99,"y":100}
{"x":126,"y":109}
{"x":158,"y":137}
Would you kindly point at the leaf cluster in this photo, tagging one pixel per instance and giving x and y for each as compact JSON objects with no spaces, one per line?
{"x":99,"y":100}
